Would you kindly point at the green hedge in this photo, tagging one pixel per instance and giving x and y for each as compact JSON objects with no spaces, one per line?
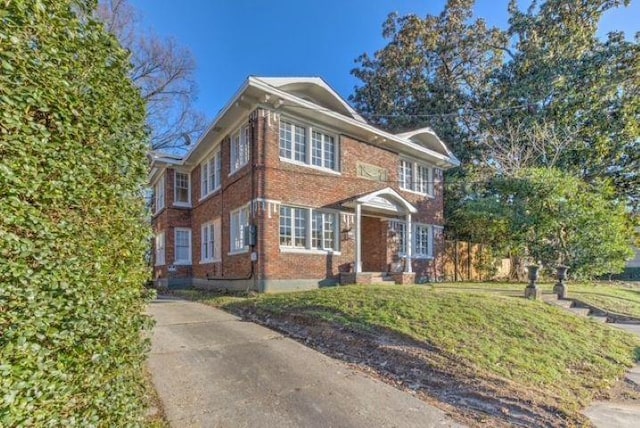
{"x":72,"y":221}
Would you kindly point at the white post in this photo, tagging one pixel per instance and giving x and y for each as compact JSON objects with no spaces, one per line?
{"x":358,"y":266}
{"x":409,"y":248}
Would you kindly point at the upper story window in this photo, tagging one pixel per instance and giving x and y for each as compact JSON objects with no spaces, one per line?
{"x":158,"y":195}
{"x":415,"y":177}
{"x":239,"y":222}
{"x":308,"y":145}
{"x":307,"y":228}
{"x":182,"y":189}
{"x":239,"y":148}
{"x":210,"y":174}
{"x":182,"y":246}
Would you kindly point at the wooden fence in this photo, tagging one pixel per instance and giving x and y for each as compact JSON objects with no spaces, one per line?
{"x":467,"y":261}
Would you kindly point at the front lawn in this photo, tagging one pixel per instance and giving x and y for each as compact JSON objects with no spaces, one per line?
{"x":621,"y":298}
{"x":530,"y":350}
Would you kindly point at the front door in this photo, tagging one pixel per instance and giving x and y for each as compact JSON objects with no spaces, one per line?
{"x":374,"y":244}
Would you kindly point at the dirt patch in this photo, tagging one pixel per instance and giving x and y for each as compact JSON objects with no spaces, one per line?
{"x":433,"y":376}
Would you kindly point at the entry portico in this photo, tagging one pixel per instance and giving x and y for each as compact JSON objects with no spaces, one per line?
{"x":383,"y":203}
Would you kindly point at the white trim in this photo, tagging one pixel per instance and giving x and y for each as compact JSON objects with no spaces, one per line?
{"x":306,"y":165}
{"x":284,"y":81}
{"x":415,"y":165}
{"x":175,"y":246}
{"x":211,"y":227}
{"x":398,"y":141}
{"x":159,"y":261}
{"x":308,"y":230}
{"x":162,"y":183}
{"x":309,"y":129}
{"x":309,"y":251}
{"x":390,"y":195}
{"x":213,"y":160}
{"x":244,"y":146}
{"x":236,"y":252}
{"x":233,"y":234}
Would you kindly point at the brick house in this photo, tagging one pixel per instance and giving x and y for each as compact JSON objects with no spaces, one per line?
{"x":290,"y":188}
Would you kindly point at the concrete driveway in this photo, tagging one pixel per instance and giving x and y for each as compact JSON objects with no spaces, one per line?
{"x":213,"y":370}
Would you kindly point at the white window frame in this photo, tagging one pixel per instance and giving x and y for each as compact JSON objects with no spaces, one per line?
{"x":210,"y":242}
{"x":211,"y":167}
{"x":240,"y":145}
{"x":418,"y":250}
{"x":309,"y":130}
{"x":400,"y":228}
{"x":411,"y":180}
{"x":238,"y":221}
{"x":307,"y":237}
{"x":186,"y":261}
{"x":175,"y":189}
{"x":158,"y":194}
{"x":160,"y":249}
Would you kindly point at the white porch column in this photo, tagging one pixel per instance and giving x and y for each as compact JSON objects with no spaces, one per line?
{"x":408,"y":243}
{"x":358,"y":266}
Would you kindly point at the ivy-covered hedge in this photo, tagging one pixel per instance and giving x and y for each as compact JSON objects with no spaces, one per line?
{"x":72,"y":227}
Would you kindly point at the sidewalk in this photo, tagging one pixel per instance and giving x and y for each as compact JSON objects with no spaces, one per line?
{"x":610,"y":414}
{"x":211,"y":369}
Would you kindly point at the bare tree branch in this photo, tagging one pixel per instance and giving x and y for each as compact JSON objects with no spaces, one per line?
{"x":164,"y":72}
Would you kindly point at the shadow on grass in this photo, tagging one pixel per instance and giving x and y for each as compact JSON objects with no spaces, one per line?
{"x":413,"y":365}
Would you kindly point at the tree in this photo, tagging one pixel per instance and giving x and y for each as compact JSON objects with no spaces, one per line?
{"x":581,"y":88}
{"x":72,"y":221}
{"x":433,"y":72}
{"x":545,"y":93}
{"x":163,"y":71}
{"x":552,"y":217}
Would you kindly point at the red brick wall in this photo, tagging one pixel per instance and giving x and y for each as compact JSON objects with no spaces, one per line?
{"x":167,"y":220}
{"x":267,"y":177}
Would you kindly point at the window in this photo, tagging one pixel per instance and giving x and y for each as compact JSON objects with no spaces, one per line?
{"x":239,"y":221}
{"x":323,"y":230}
{"x":423,"y":240}
{"x":239,"y":148}
{"x":182,"y":193}
{"x":294,"y":145}
{"x":210,"y":174}
{"x":158,"y":194}
{"x":159,"y":249}
{"x":323,"y":154}
{"x":399,"y":230}
{"x":183,"y":246}
{"x":210,"y":242}
{"x":296,"y":233}
{"x":415,"y":177}
{"x":406,"y":175}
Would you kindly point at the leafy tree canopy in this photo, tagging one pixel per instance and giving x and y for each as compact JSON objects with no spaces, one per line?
{"x":544,"y":93}
{"x":552,"y":217}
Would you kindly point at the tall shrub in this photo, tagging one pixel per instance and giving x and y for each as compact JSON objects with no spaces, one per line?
{"x":72,"y":229}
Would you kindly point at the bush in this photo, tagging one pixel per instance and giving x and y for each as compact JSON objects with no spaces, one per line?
{"x":72,"y":221}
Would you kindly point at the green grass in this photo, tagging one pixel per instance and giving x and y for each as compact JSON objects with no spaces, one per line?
{"x":539,"y":347}
{"x":621,"y":298}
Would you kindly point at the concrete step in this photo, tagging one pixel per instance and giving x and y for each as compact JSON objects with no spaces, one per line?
{"x":583,"y":312}
{"x":598,"y":318}
{"x":566,"y":304}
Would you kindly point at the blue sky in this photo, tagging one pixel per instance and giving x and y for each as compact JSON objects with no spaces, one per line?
{"x":232,"y":39}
